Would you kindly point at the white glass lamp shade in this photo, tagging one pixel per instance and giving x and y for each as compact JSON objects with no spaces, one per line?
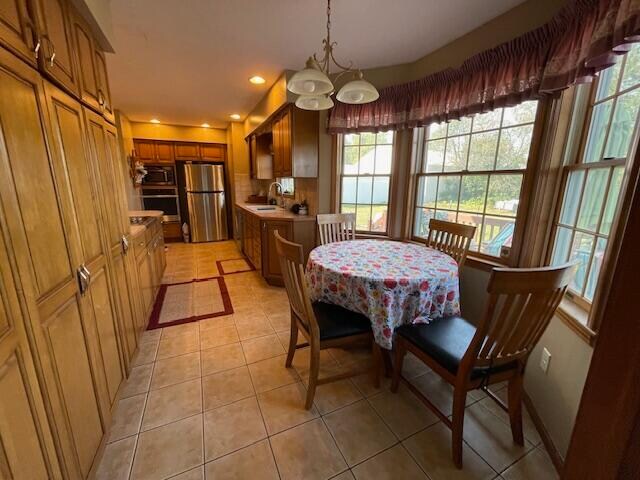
{"x":310,"y":81}
{"x":314,"y":102}
{"x":357,"y":91}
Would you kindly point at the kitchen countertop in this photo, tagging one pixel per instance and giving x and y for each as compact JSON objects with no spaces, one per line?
{"x":146,"y":213}
{"x":137,"y":230}
{"x":279,"y":214}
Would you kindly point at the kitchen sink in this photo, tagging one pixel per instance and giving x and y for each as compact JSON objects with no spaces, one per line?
{"x":263,"y":208}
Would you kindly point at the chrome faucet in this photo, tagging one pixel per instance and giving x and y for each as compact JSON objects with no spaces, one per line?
{"x":277,"y":184}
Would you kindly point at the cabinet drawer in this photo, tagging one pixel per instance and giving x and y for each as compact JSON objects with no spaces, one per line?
{"x":139,"y":245}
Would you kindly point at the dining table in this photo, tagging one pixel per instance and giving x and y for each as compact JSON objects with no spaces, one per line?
{"x":390,"y":282}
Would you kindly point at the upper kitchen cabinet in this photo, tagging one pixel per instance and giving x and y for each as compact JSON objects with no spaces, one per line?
{"x":295,"y":143}
{"x":56,"y":54}
{"x":212,"y":152}
{"x":187,"y":151}
{"x":260,"y":156}
{"x":150,"y":151}
{"x":17,"y":30}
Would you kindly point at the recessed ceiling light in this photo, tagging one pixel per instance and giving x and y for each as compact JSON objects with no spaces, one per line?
{"x":235,"y":116}
{"x":154,"y":120}
{"x":205,"y":125}
{"x":257,"y":80}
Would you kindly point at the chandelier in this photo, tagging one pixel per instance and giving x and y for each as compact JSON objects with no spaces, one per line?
{"x":314,"y":86}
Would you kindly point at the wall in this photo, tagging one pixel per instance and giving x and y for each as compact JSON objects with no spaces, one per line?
{"x":97,"y":13}
{"x":178,"y":133}
{"x":125,"y":140}
{"x":275,"y":98}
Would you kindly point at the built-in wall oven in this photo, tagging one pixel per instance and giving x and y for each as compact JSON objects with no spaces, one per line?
{"x":163,"y":198}
{"x":160,"y":175}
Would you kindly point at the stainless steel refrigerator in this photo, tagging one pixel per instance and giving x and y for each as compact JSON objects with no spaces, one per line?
{"x":206,"y":202}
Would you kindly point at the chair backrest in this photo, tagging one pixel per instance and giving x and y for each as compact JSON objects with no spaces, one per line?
{"x":520,"y":306}
{"x":292,"y":266}
{"x":336,"y":227}
{"x":451,"y":238}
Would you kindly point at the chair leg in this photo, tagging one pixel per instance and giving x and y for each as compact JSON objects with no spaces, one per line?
{"x":314,"y":372}
{"x":401,"y":351}
{"x":293,"y":341}
{"x":515,"y":408}
{"x":457,"y":424}
{"x":377,"y":363}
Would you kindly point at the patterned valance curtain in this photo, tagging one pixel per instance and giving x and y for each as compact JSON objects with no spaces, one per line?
{"x":585,"y":37}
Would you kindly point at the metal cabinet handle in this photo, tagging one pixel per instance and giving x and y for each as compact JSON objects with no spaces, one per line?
{"x":125,"y":244}
{"x":36,"y":49}
{"x":83,"y":281}
{"x":52,"y":49}
{"x":100,"y":98}
{"x":87,"y":273}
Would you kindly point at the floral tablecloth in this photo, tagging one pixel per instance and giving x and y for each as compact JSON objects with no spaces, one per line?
{"x":392,"y":283}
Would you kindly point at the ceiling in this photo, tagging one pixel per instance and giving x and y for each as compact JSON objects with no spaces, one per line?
{"x":188,"y":62}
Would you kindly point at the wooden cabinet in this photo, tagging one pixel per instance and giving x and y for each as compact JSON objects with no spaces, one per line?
{"x":212,"y":152}
{"x":17,"y":30}
{"x":187,"y":151}
{"x":164,"y":152}
{"x":172,"y":231}
{"x":152,"y":151}
{"x":270,"y":261}
{"x":295,"y":143}
{"x":160,"y":151}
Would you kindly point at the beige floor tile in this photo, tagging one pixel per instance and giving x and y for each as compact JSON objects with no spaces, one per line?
{"x":146,"y":352}
{"x":431,"y":448}
{"x":116,"y":460}
{"x":302,"y":362}
{"x":176,"y":370}
{"x":491,"y":438}
{"x":392,"y":464}
{"x":232,"y":427}
{"x":127,"y":417}
{"x":222,"y":358}
{"x":179,"y":329}
{"x":439,"y":392}
{"x":307,"y":452}
{"x":528,"y":427}
{"x":178,"y":345}
{"x":364,"y":383}
{"x":172,"y":403}
{"x":262,"y":348}
{"x":216,"y":337}
{"x":195,"y":474}
{"x":334,"y":395}
{"x":271,"y":373}
{"x":138,"y":381}
{"x":281,"y":320}
{"x":359,"y":432}
{"x":403,"y":412}
{"x":413,"y":367}
{"x":347,"y":356}
{"x":283,"y":407}
{"x":344,"y":476}
{"x":169,"y":450}
{"x":226,"y":387}
{"x":258,"y":326}
{"x":254,"y":462}
{"x":284,"y":335}
{"x":216,"y":323}
{"x":534,"y":466}
{"x":151,"y":336}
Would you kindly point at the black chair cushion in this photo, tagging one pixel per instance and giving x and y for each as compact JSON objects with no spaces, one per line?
{"x":446,"y":340}
{"x":337,"y":322}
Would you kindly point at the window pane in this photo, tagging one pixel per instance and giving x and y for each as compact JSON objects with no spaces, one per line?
{"x":347,"y":208}
{"x":608,"y":81}
{"x":561,"y":246}
{"x":352,"y":139}
{"x":367,"y":138}
{"x":504,"y":194}
{"x":421,"y":225}
{"x":487,"y":121}
{"x":472,"y":219}
{"x":435,"y":156}
{"x":612,"y":200}
{"x":436,"y":130}
{"x":632,"y":68}
{"x":427,"y":188}
{"x":482,"y":152}
{"x":447,"y":216}
{"x":448,"y":190}
{"x":496,"y":233}
{"x":383,"y":159}
{"x":348,"y":193}
{"x":457,"y":127}
{"x":364,"y":189}
{"x":350,"y":161}
{"x":623,"y":123}
{"x":456,"y":155}
{"x":473,"y":192}
{"x":379,"y":218}
{"x":381,"y":190}
{"x":514,"y":147}
{"x":581,"y":251}
{"x":571,"y":198}
{"x":523,"y":113}
{"x":596,"y":266}
{"x":597,"y":131}
{"x":384,"y":137}
{"x":593,"y":198}
{"x":367,"y":159}
{"x":363,"y":217}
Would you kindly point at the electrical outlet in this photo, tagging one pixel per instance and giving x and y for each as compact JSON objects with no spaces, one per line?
{"x":544,"y":360}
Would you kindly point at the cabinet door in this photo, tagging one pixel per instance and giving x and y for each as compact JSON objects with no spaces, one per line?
{"x":86,"y":61}
{"x":187,"y":151}
{"x":17,"y":30}
{"x":211,"y":151}
{"x":277,"y":149}
{"x":144,"y":277}
{"x":270,"y":260}
{"x":285,"y":139}
{"x":145,"y":150}
{"x":164,"y":152}
{"x":253,"y":156}
{"x":43,"y":232}
{"x":104,"y":93}
{"x":56,"y":57}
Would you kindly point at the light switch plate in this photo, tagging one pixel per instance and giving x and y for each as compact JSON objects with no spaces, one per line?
{"x":544,"y":360}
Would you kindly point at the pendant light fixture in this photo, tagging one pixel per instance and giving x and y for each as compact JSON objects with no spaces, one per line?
{"x":314,"y":86}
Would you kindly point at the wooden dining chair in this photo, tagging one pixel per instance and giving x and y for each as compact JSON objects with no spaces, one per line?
{"x":322,"y":324}
{"x":451,"y":238}
{"x":336,"y":227}
{"x":520,"y":305}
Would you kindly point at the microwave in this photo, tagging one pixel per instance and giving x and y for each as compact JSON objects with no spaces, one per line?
{"x":160,"y":175}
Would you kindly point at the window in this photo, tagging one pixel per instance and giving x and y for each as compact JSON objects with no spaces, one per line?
{"x":592,"y":180}
{"x":288,"y":186}
{"x":472,"y":172}
{"x":365,"y":177}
